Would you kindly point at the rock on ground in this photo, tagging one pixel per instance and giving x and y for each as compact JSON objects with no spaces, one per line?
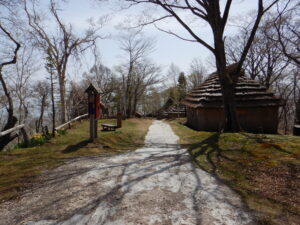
{"x":157,"y":184}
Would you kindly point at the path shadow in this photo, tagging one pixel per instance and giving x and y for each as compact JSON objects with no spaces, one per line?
{"x":209,"y":148}
{"x":76,"y":147}
{"x":237,"y":165}
{"x":136,"y":170}
{"x":261,"y":140}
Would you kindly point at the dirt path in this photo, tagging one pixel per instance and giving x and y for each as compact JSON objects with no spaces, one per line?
{"x":156,"y":184}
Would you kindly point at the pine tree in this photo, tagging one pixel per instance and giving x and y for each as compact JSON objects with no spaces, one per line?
{"x":182,"y":86}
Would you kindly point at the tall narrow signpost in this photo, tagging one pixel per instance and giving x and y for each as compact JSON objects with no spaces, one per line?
{"x":93,"y":110}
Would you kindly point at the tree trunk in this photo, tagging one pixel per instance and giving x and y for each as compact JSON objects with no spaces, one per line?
{"x":228,"y":92}
{"x":227,"y":82}
{"x":297,"y":114}
{"x":53,"y":104}
{"x":62,"y":87}
{"x":39,"y":122}
{"x":297,"y":118}
{"x":11,"y":119}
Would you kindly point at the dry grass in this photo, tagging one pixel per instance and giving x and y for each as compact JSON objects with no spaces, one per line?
{"x":19,"y":167}
{"x":263,"y":169}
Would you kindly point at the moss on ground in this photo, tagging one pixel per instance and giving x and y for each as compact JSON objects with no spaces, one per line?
{"x":263,"y":169}
{"x":19,"y":167}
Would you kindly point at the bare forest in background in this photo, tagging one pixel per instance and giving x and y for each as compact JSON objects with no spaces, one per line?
{"x":37,"y":89}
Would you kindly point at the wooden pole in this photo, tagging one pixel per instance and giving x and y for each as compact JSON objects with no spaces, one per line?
{"x":93,"y":129}
{"x":119,"y":119}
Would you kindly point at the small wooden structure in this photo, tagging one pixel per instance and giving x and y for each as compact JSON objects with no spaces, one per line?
{"x":108,"y":127}
{"x":296,"y":130}
{"x":176,"y":111}
{"x":257,"y":109}
{"x":138,"y":115}
{"x":173,"y":111}
{"x":94,"y":110}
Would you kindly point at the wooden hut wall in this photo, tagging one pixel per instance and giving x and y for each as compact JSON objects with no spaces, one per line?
{"x":251,"y":119}
{"x":173,"y":115}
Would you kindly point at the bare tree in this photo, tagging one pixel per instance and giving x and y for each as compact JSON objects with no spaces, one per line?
{"x":11,"y":119}
{"x":197,"y":73}
{"x":21,"y":77}
{"x":77,"y":101}
{"x":50,"y":67}
{"x":287,"y":35}
{"x":172,"y":75}
{"x":103,"y":78}
{"x":62,"y":45}
{"x":41,"y":93}
{"x":151,"y":102}
{"x":265,"y":61}
{"x":287,"y":30}
{"x":137,"y":72}
{"x":211,"y":12}
{"x":146,"y":75}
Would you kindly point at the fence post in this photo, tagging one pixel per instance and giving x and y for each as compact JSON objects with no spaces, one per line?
{"x":25,"y":137}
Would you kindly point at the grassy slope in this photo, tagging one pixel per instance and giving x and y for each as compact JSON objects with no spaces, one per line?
{"x":19,"y":166}
{"x":264,"y":169}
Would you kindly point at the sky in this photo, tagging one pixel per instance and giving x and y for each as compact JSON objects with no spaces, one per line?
{"x":169,"y":49}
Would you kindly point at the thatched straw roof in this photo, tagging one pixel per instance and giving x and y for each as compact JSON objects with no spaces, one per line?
{"x":176,"y":109}
{"x":248,"y":93}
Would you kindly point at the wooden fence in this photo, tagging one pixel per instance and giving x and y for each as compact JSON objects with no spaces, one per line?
{"x":70,"y":122}
{"x":25,"y":136}
{"x":16,"y":128}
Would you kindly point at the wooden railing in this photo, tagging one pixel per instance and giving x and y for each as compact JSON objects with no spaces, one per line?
{"x":3,"y":133}
{"x":71,"y":121}
{"x":25,"y":136}
{"x":17,"y":128}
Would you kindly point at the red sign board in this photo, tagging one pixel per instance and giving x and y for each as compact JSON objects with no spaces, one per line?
{"x":93,"y":102}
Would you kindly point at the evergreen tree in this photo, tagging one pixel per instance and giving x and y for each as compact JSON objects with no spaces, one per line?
{"x":182,"y":86}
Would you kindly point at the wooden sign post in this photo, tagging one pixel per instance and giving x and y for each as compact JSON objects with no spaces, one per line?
{"x":93,"y":110}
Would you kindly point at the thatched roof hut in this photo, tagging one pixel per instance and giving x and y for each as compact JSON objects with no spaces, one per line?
{"x":257,"y":108}
{"x":173,"y":111}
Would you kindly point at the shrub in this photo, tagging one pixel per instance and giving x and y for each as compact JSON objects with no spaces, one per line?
{"x":36,"y":139}
{"x":62,"y":132}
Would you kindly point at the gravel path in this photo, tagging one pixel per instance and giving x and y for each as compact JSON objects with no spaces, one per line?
{"x":157,"y":184}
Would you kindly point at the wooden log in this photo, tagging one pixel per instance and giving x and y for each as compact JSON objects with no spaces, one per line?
{"x":3,"y":133}
{"x":71,"y":121}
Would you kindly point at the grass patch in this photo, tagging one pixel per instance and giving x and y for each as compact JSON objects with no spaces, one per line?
{"x":263,"y":169}
{"x":19,"y":166}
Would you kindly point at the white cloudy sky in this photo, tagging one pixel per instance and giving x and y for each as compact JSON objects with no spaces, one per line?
{"x":169,"y":49}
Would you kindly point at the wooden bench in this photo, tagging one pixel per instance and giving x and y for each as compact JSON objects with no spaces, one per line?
{"x":108,"y":127}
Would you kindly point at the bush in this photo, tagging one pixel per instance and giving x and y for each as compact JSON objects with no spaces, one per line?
{"x":62,"y":132}
{"x":37,"y":139}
